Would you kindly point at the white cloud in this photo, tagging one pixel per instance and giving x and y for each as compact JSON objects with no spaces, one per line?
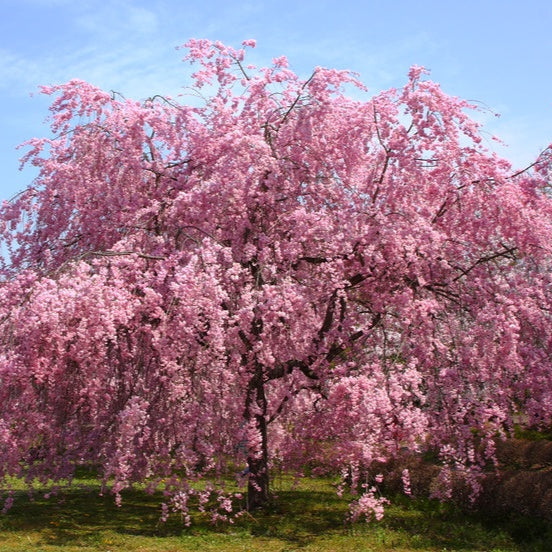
{"x":118,"y":46}
{"x":18,"y":74}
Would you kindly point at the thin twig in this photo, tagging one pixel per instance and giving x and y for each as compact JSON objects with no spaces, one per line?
{"x":305,"y":84}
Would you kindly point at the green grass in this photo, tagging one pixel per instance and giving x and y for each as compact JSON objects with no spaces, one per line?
{"x":308,"y":518}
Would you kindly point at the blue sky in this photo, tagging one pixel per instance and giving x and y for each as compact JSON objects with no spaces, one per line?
{"x":498,"y":53}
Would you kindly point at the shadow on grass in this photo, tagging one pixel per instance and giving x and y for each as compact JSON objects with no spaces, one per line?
{"x":296,"y":519}
{"x":446,"y":527}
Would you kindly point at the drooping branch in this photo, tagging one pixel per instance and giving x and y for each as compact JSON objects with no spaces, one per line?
{"x":298,"y":97}
{"x":309,"y":260}
{"x":534,"y":163}
{"x":504,"y":253}
{"x":329,"y":317}
{"x":387,"y":155}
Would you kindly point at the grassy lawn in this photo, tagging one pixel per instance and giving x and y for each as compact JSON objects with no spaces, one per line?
{"x":308,"y":518}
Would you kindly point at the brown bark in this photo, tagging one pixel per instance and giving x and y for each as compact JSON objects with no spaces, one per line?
{"x":258,"y":486}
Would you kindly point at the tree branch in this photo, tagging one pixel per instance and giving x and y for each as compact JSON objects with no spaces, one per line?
{"x":465,"y":272}
{"x":292,"y":106}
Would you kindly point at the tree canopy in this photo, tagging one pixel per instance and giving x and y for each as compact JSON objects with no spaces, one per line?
{"x":280,"y":273}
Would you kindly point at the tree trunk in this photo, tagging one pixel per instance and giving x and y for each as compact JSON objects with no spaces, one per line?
{"x":257,"y":460}
{"x":258,"y":485}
